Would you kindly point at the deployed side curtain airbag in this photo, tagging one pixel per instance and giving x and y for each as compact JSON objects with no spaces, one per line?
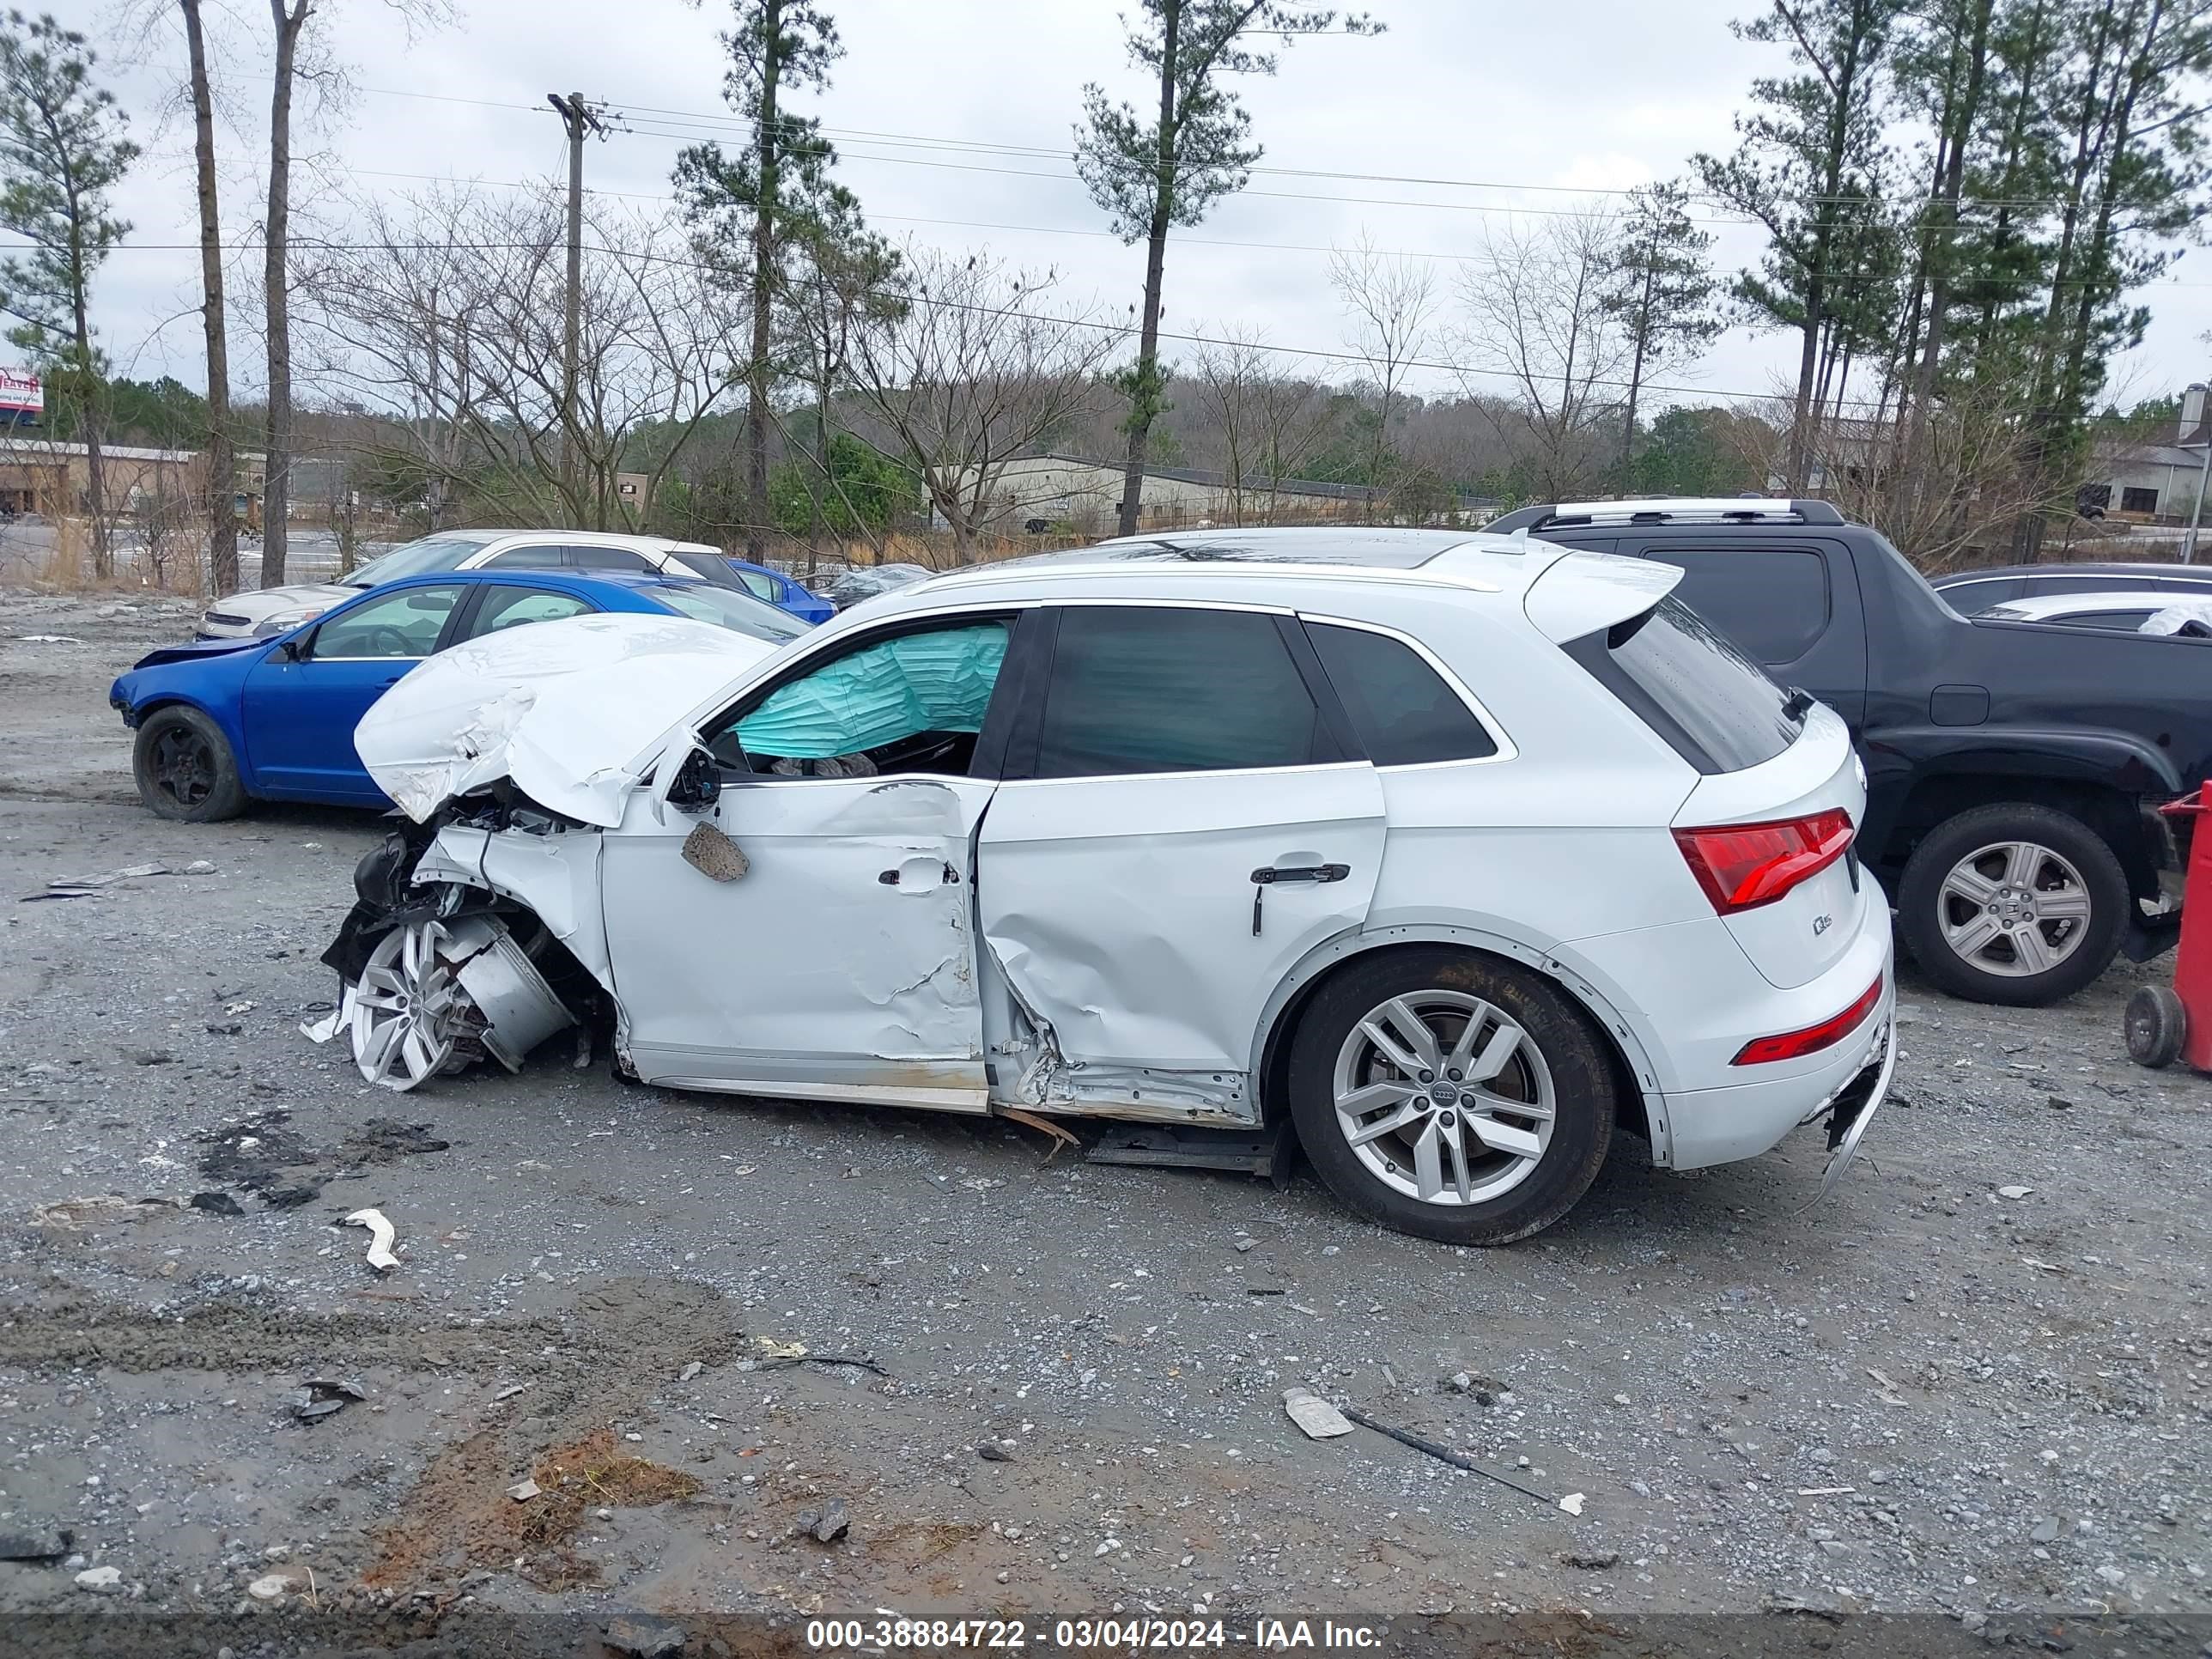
{"x":938,"y":682}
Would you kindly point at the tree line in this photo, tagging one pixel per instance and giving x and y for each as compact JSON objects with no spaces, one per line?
{"x":1960,"y":202}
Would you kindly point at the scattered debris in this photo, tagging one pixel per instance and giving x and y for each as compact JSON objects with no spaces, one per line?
{"x":221,"y":1204}
{"x":690,"y":1371}
{"x":1043,"y":1126}
{"x":291,"y":1198}
{"x":48,"y":639}
{"x":380,"y":1237}
{"x":86,"y":886}
{"x":225,"y":1028}
{"x":1300,"y":1307}
{"x":271,"y":1587}
{"x":2042,"y":1266}
{"x":772,"y":1349}
{"x":2058,"y":1104}
{"x":523,"y":1490}
{"x":1573,"y":1502}
{"x":1316,"y":1416}
{"x":829,"y":1525}
{"x":198,"y":867}
{"x":34,"y":1540}
{"x":100,"y":1579}
{"x":79,"y":1212}
{"x":645,"y":1636}
{"x":714,"y":854}
{"x":1826,"y":1491}
{"x":992,"y":1452}
{"x":508,"y":1392}
{"x":2015,"y":1192}
{"x":322,"y":1396}
{"x":1605,"y":1563}
{"x":1886,"y":1390}
{"x":1242,"y":1245}
{"x":245,"y":1005}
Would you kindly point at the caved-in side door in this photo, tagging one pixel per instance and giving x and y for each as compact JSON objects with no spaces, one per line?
{"x":1190,"y":817}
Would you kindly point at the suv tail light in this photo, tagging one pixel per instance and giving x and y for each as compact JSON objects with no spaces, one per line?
{"x":1743,"y":866}
{"x":1795,"y":1045}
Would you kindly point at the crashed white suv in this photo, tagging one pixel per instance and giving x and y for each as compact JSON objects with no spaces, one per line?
{"x":1455,"y":852}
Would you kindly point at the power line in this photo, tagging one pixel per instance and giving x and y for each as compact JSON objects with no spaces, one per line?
{"x":1835,"y":281}
{"x":1125,"y":330}
{"x":707,"y":125}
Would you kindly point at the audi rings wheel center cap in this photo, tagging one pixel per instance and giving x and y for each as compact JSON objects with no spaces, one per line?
{"x":1444,"y":1094}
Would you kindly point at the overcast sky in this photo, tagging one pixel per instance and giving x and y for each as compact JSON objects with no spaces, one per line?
{"x":1591,"y":95}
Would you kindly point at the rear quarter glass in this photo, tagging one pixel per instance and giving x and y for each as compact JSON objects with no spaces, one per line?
{"x":1713,"y":705}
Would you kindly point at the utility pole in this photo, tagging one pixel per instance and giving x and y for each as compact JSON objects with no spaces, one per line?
{"x":579,"y":118}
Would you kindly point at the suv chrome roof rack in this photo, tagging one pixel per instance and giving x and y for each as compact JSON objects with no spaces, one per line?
{"x":1666,"y":510}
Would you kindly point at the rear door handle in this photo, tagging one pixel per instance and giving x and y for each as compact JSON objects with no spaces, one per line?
{"x":1273,"y":875}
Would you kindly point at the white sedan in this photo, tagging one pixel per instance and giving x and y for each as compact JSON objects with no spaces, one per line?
{"x":1453,"y":852}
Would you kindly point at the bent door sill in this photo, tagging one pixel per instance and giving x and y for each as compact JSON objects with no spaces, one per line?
{"x":929,"y":1097}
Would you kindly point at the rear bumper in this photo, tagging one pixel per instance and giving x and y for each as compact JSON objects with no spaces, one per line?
{"x":1720,"y":1126}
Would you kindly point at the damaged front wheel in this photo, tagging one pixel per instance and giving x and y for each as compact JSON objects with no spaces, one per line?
{"x":406,"y":1007}
{"x":438,"y":995}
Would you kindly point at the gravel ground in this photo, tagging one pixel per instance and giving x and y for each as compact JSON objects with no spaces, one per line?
{"x":1926,"y":1397}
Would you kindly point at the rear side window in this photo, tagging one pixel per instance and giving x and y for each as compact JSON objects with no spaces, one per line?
{"x":1400,"y":708}
{"x":1719,"y":709}
{"x":538,"y":557}
{"x":608,"y":558}
{"x":1135,"y":690}
{"x":1772,"y":601}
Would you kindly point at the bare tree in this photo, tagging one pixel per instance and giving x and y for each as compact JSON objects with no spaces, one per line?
{"x":1259,"y":424}
{"x":1535,"y":311}
{"x":442,"y":314}
{"x":290,"y":19}
{"x":978,"y":367}
{"x":221,"y":464}
{"x":1390,"y":301}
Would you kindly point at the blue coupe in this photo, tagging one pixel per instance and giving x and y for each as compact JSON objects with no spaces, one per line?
{"x":221,"y":722}
{"x":781,"y":592}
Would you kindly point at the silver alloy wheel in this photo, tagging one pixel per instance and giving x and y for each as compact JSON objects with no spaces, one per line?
{"x":2014,"y":908}
{"x":1444,"y":1098}
{"x":406,"y":1007}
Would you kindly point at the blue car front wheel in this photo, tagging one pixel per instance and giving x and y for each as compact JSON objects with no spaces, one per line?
{"x":184,"y":767}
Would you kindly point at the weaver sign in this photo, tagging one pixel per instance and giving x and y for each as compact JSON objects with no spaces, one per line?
{"x":22,"y":398}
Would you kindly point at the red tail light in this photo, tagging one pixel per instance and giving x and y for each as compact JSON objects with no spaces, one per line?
{"x":1742,"y":866}
{"x":1792,"y":1045}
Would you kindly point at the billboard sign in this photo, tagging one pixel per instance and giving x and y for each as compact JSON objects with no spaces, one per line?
{"x":22,"y":398}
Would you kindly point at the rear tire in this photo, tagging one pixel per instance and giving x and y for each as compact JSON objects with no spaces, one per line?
{"x":184,"y":767}
{"x":1991,"y":893}
{"x":1494,"y":1140}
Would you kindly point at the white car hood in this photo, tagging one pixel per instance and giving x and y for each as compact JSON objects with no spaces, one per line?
{"x":567,"y":709}
{"x":259,"y":604}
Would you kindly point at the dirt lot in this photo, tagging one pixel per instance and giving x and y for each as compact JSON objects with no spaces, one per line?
{"x":1923,"y":1398}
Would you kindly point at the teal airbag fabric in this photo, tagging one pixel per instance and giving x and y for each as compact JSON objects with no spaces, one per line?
{"x":917,"y":683}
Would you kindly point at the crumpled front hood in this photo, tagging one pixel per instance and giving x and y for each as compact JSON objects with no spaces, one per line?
{"x":566,"y":710}
{"x":197,"y":651}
